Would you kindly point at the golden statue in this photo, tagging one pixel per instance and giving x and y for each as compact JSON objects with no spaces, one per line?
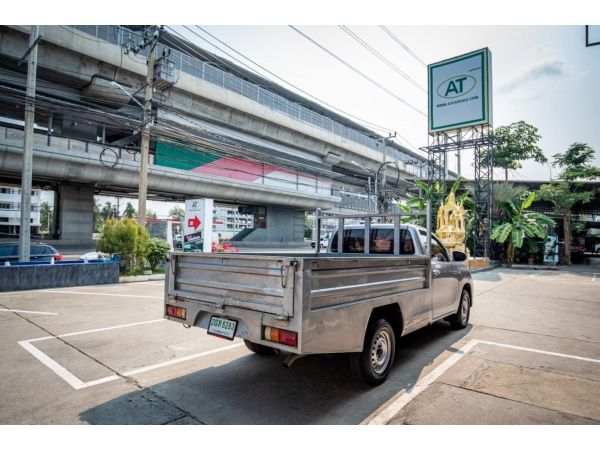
{"x":451,"y":224}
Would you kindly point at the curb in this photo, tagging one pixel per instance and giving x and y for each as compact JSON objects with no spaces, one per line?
{"x":136,"y":278}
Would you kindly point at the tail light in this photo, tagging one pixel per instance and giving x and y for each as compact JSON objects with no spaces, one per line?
{"x":57,"y":256}
{"x":281,"y":336}
{"x":176,"y":311}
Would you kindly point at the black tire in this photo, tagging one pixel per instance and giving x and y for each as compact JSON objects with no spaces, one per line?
{"x":374,"y":363}
{"x":259,"y":349}
{"x":460,"y":320}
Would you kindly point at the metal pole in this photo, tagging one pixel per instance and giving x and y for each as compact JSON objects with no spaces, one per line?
{"x":369,"y":196}
{"x":27,"y":172}
{"x":383,"y":174}
{"x":147,"y":123}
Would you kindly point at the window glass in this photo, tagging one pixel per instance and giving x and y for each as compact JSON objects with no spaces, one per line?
{"x":354,"y":241}
{"x":437,"y":250}
{"x":382,"y":241}
{"x":8,"y":250}
{"x":407,"y":245}
{"x":41,"y":250}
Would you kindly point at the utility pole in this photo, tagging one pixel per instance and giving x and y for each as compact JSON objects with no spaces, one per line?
{"x":27,"y":172}
{"x":390,"y":136}
{"x":146,"y":125}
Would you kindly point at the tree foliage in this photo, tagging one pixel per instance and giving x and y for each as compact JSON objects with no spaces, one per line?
{"x":177,"y":213}
{"x":520,"y":224}
{"x":45,"y":217}
{"x":127,"y":239}
{"x":157,"y":250}
{"x":576,"y":166}
{"x":129,"y":212}
{"x":514,"y":144}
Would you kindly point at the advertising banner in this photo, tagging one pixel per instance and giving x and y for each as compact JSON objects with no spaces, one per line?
{"x":460,"y":92}
{"x":197,"y":225}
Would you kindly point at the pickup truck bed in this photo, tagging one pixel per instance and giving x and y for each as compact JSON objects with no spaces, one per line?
{"x":327,"y":299}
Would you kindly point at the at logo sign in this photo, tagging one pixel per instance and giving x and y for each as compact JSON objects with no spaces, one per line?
{"x":456,"y":86}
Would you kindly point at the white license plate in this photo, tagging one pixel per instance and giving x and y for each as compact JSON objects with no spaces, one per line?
{"x":221,"y":327}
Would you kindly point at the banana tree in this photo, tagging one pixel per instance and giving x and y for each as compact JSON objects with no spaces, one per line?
{"x":519,"y":225}
{"x":433,"y":193}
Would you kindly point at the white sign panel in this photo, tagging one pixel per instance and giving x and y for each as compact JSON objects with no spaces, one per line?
{"x":197,"y":225}
{"x":460,"y":92}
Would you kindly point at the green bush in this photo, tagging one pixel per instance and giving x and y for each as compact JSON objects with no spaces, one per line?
{"x":157,"y":250}
{"x":127,"y":239}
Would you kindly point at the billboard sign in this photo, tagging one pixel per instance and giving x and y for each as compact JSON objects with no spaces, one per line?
{"x":197,"y":225}
{"x":460,"y":92}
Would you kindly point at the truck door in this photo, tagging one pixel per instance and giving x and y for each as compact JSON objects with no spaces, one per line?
{"x":444,"y":280}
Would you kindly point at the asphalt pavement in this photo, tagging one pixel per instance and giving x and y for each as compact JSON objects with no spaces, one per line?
{"x":104,"y":355}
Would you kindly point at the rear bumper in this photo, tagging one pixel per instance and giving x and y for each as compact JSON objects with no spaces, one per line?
{"x":250,"y":323}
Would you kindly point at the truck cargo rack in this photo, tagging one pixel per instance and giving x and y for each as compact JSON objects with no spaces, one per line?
{"x":367,"y":217}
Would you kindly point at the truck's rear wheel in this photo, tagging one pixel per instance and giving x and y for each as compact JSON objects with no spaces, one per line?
{"x":374,"y":363}
{"x":461,"y":319}
{"x":259,"y":349}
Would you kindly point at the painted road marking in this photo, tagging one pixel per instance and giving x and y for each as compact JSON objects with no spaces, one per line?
{"x":387,"y":412}
{"x":96,"y":330}
{"x":77,"y":384}
{"x":29,"y":312}
{"x":51,"y":291}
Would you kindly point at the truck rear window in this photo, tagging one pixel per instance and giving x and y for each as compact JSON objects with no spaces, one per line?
{"x":382,"y":241}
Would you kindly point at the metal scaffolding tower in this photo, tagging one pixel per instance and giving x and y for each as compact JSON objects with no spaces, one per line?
{"x":477,"y":139}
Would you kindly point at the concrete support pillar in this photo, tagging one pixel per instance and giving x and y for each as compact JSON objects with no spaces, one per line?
{"x":75,"y":215}
{"x":285,"y":228}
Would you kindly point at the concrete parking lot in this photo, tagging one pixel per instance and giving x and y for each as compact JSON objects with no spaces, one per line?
{"x":104,"y":355}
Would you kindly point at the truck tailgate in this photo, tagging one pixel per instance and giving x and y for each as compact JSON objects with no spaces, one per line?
{"x":258,"y":283}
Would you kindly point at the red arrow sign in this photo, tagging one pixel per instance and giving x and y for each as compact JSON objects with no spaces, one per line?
{"x":194,"y":223}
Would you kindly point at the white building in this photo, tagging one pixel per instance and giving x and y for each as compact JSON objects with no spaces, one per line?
{"x":227,"y":222}
{"x":10,"y":208}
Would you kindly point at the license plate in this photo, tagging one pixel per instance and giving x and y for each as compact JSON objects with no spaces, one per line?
{"x":221,"y":327}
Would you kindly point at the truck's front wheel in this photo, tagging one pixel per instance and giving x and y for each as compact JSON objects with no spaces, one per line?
{"x":259,"y":349}
{"x":374,"y":363}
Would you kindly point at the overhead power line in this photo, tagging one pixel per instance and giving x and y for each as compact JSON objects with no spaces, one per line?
{"x":254,"y":71}
{"x":379,"y":127}
{"x":362,"y":42}
{"x":401,"y":44}
{"x":354,"y":69}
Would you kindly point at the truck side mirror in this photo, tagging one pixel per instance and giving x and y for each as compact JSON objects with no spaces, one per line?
{"x":459,"y":256}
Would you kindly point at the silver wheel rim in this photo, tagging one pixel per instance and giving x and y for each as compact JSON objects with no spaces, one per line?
{"x":380,"y":351}
{"x":465,"y":308}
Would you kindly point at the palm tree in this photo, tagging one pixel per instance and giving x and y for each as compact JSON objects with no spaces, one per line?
{"x":520,"y":224}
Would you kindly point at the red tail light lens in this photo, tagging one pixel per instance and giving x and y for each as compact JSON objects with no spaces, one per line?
{"x":284,"y":337}
{"x":176,"y":311}
{"x":58,"y":256}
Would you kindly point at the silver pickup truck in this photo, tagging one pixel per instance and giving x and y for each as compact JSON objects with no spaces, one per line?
{"x":359,"y":300}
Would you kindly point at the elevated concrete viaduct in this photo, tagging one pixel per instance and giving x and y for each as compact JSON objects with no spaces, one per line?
{"x":240,"y":142}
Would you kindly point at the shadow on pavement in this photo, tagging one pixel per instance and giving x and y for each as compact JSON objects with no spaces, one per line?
{"x":255,"y":389}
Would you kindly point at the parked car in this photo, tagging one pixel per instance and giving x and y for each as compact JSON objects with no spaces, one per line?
{"x":9,"y":251}
{"x":324,"y":242}
{"x":597,"y":248}
{"x":94,"y":256}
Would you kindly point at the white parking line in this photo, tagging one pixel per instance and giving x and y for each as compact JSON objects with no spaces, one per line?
{"x":98,"y":293}
{"x":386,"y":413}
{"x":29,"y":312}
{"x":77,"y":384}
